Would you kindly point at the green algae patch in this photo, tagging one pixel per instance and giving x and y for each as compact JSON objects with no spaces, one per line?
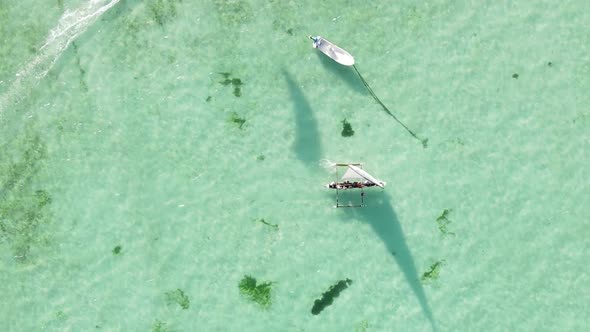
{"x":60,"y":315}
{"x":260,"y":157}
{"x":237,"y":120}
{"x":179,"y":297}
{"x":24,"y":209}
{"x":328,"y":296}
{"x":259,"y":293}
{"x":347,"y":129}
{"x":362,"y":326}
{"x":162,"y":11}
{"x":432,"y":274}
{"x":443,"y":222}
{"x":233,"y":13}
{"x":159,"y":326}
{"x":19,"y":170}
{"x":117,"y":250}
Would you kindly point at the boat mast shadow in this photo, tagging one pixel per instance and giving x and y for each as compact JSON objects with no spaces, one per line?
{"x":347,"y":74}
{"x":307,"y":145}
{"x":381,"y":216}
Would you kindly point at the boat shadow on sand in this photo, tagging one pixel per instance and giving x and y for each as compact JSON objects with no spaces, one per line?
{"x":381,"y":216}
{"x":307,"y":145}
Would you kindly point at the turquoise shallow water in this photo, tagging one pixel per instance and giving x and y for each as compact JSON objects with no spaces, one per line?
{"x":116,"y":131}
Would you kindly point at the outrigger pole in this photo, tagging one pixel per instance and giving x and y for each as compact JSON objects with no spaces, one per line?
{"x":338,"y":197}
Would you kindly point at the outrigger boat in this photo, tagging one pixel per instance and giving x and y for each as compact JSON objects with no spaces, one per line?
{"x":353,"y":178}
{"x":332,"y":50}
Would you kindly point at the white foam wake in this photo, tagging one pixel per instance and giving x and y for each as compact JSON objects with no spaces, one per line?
{"x":328,"y":165}
{"x":69,"y":27}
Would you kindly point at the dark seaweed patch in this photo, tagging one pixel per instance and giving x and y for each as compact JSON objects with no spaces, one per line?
{"x":328,"y":297}
{"x":515,"y":75}
{"x":260,"y":157}
{"x":290,"y":32}
{"x":178,"y":296}
{"x":262,"y":221}
{"x":235,"y":82}
{"x":346,"y":129}
{"x":258,"y":293}
{"x":237,"y":120}
{"x":117,"y":250}
{"x":443,"y":221}
{"x":549,"y":64}
{"x":433,"y":273}
{"x":208,"y":99}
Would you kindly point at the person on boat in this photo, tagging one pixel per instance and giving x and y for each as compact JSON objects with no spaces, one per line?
{"x":335,"y":185}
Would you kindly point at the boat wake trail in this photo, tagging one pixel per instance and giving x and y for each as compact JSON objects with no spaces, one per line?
{"x":328,"y":165}
{"x":423,"y":140}
{"x":69,"y":27}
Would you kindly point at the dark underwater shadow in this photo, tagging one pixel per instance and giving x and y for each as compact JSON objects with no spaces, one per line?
{"x":381,"y":216}
{"x":345,"y":73}
{"x":307,"y":144}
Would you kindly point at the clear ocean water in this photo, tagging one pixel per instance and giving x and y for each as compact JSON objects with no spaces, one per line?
{"x":154,"y":153}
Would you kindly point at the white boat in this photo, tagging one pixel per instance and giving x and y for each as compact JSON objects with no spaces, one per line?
{"x":332,"y":50}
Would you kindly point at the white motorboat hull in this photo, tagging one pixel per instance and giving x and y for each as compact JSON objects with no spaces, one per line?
{"x":333,"y":51}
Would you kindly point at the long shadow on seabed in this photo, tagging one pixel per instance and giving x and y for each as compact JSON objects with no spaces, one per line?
{"x":307,"y":144}
{"x":380,"y":215}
